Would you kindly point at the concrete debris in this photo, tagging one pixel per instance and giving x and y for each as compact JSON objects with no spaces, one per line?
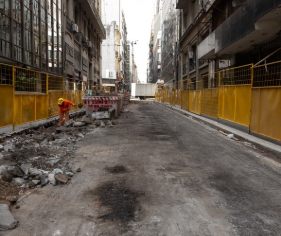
{"x":61,"y":129}
{"x":98,"y":123}
{"x":114,"y":122}
{"x":230,"y":136}
{"x":79,"y":124}
{"x":51,"y":178}
{"x":38,"y":157}
{"x":15,"y":171}
{"x":7,"y":221}
{"x":102,"y":124}
{"x":7,"y":177}
{"x":34,"y":172}
{"x":249,"y":145}
{"x":100,"y":115}
{"x":36,"y":181}
{"x":5,"y":174}
{"x":61,"y":178}
{"x":87,"y":120}
{"x":69,"y":123}
{"x":9,"y":147}
{"x":44,"y":180}
{"x":3,"y":169}
{"x":25,"y":168}
{"x":70,"y":174}
{"x":19,"y":181}
{"x":57,"y":171}
{"x":109,"y":123}
{"x":80,"y":135}
{"x":54,"y":161}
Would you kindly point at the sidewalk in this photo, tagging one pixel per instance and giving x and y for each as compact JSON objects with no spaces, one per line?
{"x":238,"y":133}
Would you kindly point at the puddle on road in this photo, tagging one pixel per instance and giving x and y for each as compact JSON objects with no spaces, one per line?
{"x":119,"y":169}
{"x":122,"y":202}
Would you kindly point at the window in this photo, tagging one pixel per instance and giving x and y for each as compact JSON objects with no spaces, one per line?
{"x":4,"y":29}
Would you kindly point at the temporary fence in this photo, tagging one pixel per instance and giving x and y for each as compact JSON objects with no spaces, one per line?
{"x":266,"y":100}
{"x":247,"y":95}
{"x":27,"y":95}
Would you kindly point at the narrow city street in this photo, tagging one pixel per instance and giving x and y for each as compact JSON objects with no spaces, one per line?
{"x":159,"y":173}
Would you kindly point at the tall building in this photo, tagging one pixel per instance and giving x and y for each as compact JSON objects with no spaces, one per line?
{"x":150,"y":69}
{"x":31,"y":34}
{"x":155,"y":45}
{"x":125,"y":51}
{"x":169,"y":39}
{"x":110,"y":52}
{"x":216,"y":34}
{"x":84,"y":33}
{"x":116,"y":48}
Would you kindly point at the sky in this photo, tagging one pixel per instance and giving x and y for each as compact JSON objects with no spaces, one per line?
{"x":139,"y":15}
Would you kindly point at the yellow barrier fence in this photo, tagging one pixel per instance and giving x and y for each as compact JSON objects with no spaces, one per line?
{"x":266,"y":101}
{"x":28,"y":95}
{"x":6,"y":103}
{"x":209,"y":102}
{"x":266,"y":112}
{"x":246,"y":95}
{"x":235,"y":104}
{"x":194,"y":101}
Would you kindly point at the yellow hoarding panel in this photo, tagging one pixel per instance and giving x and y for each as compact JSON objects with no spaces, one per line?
{"x":184,"y":100}
{"x":235,"y":104}
{"x":6,"y":105}
{"x":194,"y":101}
{"x":243,"y":105}
{"x":24,"y":108}
{"x":209,"y":102}
{"x":41,"y":107}
{"x":266,"y":112}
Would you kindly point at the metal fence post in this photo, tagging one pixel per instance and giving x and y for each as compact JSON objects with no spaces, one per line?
{"x":251,"y":97}
{"x":14,"y":88}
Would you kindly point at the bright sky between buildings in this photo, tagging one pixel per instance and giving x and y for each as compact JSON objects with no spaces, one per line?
{"x":139,"y":15}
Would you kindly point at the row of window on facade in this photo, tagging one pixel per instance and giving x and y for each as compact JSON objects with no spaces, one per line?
{"x":31,"y":33}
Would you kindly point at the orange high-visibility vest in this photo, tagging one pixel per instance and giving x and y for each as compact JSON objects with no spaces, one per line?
{"x":65,"y":106}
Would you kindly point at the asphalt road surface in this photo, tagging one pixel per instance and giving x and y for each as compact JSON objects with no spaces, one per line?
{"x":159,"y":173}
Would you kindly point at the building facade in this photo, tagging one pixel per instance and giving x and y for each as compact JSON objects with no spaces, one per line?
{"x":169,"y":39}
{"x":110,"y":52}
{"x":115,"y":49}
{"x":83,"y":35}
{"x":31,"y":34}
{"x":155,"y":45}
{"x":214,"y":34}
{"x":125,"y":51}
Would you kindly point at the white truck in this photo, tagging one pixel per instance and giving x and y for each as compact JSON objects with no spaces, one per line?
{"x":143,"y":91}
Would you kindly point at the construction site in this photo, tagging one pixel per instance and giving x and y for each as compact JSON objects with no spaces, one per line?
{"x":90,"y":147}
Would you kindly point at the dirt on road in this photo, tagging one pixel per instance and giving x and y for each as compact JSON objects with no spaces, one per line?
{"x":157,"y":173}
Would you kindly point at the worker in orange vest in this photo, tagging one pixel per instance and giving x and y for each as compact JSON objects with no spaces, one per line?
{"x":64,"y":108}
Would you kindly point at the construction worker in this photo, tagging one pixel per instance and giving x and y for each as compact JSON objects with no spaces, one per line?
{"x":64,"y":108}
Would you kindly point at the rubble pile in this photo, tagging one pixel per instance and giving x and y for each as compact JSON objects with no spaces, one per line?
{"x":41,"y":156}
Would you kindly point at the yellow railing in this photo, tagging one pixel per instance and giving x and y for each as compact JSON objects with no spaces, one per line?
{"x":27,"y":95}
{"x":246,"y":95}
